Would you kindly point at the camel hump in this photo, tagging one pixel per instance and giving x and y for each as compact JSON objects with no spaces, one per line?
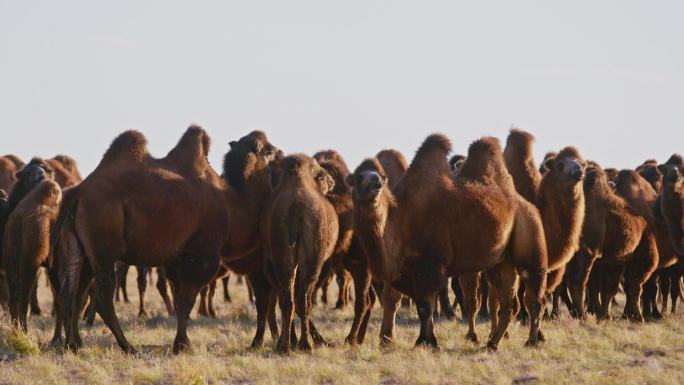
{"x":433,"y":144}
{"x":191,"y":152}
{"x":131,"y":145}
{"x":431,"y":156}
{"x":394,"y":164}
{"x":15,"y":160}
{"x":519,"y":144}
{"x":69,"y":164}
{"x":330,"y":156}
{"x":485,"y":160}
{"x":675,"y":160}
{"x":569,"y":152}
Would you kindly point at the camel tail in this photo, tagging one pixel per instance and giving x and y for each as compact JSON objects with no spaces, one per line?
{"x":67,"y":210}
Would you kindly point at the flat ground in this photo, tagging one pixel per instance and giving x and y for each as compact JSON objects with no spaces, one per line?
{"x":617,"y":352}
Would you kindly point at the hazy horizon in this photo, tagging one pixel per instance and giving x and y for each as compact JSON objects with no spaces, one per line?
{"x":355,"y":76}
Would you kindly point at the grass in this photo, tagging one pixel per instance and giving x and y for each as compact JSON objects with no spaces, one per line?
{"x":617,"y":352}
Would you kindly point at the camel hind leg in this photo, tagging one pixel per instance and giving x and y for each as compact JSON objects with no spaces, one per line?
{"x":503,"y":280}
{"x":187,"y":277}
{"x":263,"y":293}
{"x":469,"y":284}
{"x":362,"y":281}
{"x":142,"y":286}
{"x":162,"y":288}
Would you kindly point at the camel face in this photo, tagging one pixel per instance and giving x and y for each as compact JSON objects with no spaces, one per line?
{"x":32,"y":174}
{"x":367,"y":186}
{"x":455,"y":164}
{"x":569,"y":170}
{"x":672,"y":205}
{"x":250,"y":157}
{"x":323,"y":179}
{"x":653,"y":176}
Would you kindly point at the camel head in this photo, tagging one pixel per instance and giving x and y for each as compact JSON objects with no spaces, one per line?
{"x":33,"y":173}
{"x":306,"y":169}
{"x":567,"y":168}
{"x":455,"y":163}
{"x":249,"y":161}
{"x":368,"y":183}
{"x":672,"y":204}
{"x":651,"y":172}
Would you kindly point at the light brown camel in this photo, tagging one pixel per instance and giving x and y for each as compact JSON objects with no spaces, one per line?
{"x":174,"y":212}
{"x":558,"y":195}
{"x":408,"y":234}
{"x":31,"y":212}
{"x":300,"y":230}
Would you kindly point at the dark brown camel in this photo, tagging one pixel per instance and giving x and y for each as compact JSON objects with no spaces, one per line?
{"x":408,"y":234}
{"x":615,"y":239}
{"x":196,"y":229}
{"x":557,"y":194}
{"x":300,"y":232}
{"x":31,"y":212}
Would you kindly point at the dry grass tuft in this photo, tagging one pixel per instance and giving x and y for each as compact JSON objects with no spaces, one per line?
{"x":617,"y":352}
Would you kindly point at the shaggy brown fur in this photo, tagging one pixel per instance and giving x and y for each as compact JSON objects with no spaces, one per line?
{"x":408,"y":235}
{"x":8,"y":169}
{"x":66,"y":171}
{"x":395,"y":165}
{"x":340,"y":197}
{"x":620,"y":239}
{"x":34,"y":204}
{"x":558,"y":195}
{"x":520,"y":164}
{"x":133,"y":188}
{"x":300,"y":231}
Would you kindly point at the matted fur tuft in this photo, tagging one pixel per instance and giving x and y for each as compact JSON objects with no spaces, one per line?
{"x":130,"y":144}
{"x":569,"y":151}
{"x":676,"y":160}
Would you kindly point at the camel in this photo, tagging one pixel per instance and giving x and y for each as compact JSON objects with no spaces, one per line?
{"x":143,"y":272}
{"x":407,"y":234}
{"x":174,"y":212}
{"x":340,"y":198}
{"x":300,"y":230}
{"x":32,"y":210}
{"x":615,"y":239}
{"x":668,"y":217}
{"x":557,"y":194}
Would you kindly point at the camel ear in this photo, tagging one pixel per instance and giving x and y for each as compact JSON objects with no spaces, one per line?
{"x":662,"y":168}
{"x":258,"y":146}
{"x":233,"y":144}
{"x":548,"y":164}
{"x":349,"y":180}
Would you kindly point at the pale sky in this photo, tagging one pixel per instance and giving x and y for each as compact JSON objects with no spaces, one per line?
{"x":357,"y":76}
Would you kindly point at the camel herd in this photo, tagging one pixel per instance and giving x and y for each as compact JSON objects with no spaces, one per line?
{"x":509,"y":235}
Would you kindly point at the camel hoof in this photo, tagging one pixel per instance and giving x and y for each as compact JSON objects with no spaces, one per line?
{"x":532,"y":343}
{"x":257,"y":343}
{"x":492,"y":346}
{"x":304,"y":345}
{"x":283,"y":347}
{"x":472,"y":337}
{"x":541,"y":336}
{"x":143,"y":314}
{"x":56,"y":344}
{"x":130,"y":350}
{"x":72,"y":347}
{"x":179,"y":347}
